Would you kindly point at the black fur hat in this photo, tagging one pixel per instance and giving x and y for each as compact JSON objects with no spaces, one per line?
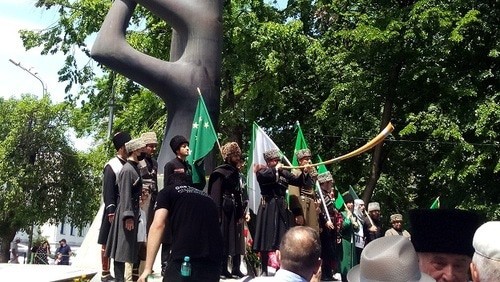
{"x":120,"y":138}
{"x":176,"y":142}
{"x":443,"y":230}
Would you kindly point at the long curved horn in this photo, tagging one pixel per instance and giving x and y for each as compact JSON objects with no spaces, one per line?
{"x":372,"y":143}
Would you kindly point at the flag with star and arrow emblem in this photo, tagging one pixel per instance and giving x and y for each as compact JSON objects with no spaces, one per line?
{"x":202,"y":140}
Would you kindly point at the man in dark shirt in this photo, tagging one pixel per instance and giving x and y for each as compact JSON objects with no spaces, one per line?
{"x":179,"y":169}
{"x":373,"y":225}
{"x":63,"y":252}
{"x":193,"y":219}
{"x":226,"y":189}
{"x":149,"y":172}
{"x":273,"y":216}
{"x":110,"y":196}
{"x":178,"y":165}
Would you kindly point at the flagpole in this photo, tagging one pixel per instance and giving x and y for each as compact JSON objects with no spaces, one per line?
{"x":322,"y":198}
{"x":215,"y":133}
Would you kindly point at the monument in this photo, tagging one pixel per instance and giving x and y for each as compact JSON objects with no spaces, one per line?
{"x":195,"y":59}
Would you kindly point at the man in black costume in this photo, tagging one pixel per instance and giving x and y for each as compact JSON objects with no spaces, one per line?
{"x":110,"y":197}
{"x":225,"y":188}
{"x":330,"y":221}
{"x":273,"y":217}
{"x":178,"y":165}
{"x":180,"y":170}
{"x":122,"y":240}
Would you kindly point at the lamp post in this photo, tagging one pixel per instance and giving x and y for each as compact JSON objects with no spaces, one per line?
{"x":35,"y":75}
{"x":44,"y":93}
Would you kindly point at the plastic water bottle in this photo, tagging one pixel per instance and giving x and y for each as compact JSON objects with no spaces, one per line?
{"x":154,"y":277}
{"x":186,"y":267}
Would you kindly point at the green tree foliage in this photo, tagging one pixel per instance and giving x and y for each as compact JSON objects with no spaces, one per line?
{"x":430,"y":67}
{"x":43,"y":178}
{"x":343,"y":69}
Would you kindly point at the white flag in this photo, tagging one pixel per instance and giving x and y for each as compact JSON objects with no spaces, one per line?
{"x":260,"y":144}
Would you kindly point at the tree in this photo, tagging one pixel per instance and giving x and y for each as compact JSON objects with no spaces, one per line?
{"x":43,"y":178}
{"x":343,"y":69}
{"x":430,"y":67}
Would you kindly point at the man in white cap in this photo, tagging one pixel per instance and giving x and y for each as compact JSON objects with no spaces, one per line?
{"x":308,"y":204}
{"x":330,"y":221}
{"x":373,"y":224}
{"x":122,"y":241}
{"x":273,"y":216}
{"x":359,"y":235}
{"x":485,"y":265}
{"x":397,"y":227}
{"x":149,"y":173}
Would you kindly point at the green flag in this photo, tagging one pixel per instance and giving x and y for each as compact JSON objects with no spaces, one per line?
{"x":353,"y":193}
{"x":436,"y":204}
{"x":202,"y":140}
{"x":300,"y":143}
{"x":339,"y":201}
{"x":321,"y":168}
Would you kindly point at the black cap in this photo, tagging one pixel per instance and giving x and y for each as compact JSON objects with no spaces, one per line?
{"x":177,"y":141}
{"x":120,"y":138}
{"x":443,"y":230}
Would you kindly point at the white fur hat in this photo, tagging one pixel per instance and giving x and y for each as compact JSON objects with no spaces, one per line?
{"x":134,"y":144}
{"x":325,"y":177}
{"x":373,"y":206}
{"x":149,"y":138}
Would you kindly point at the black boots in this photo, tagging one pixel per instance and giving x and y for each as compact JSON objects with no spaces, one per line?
{"x":225,"y":274}
{"x":236,"y":267}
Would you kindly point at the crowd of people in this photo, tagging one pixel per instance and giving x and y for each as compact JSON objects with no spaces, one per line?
{"x":297,"y":222}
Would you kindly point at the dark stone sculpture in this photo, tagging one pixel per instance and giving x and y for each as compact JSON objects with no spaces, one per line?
{"x":195,"y":59}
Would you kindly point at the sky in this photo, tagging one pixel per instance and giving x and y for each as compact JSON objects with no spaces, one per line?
{"x":14,"y":16}
{"x":14,"y":81}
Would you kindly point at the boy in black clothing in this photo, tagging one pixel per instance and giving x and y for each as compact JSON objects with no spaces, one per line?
{"x":193,"y":220}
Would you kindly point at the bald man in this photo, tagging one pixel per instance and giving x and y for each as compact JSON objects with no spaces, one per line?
{"x":299,"y":256}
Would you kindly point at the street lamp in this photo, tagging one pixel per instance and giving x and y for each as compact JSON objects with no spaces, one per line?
{"x":44,"y":93}
{"x":35,"y":75}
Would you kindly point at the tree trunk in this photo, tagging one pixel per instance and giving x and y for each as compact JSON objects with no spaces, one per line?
{"x":7,"y":236}
{"x":379,"y":155}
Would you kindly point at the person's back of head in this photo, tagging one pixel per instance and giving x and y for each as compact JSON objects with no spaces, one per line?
{"x":485,"y":264}
{"x":178,"y":179}
{"x":300,"y":251}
